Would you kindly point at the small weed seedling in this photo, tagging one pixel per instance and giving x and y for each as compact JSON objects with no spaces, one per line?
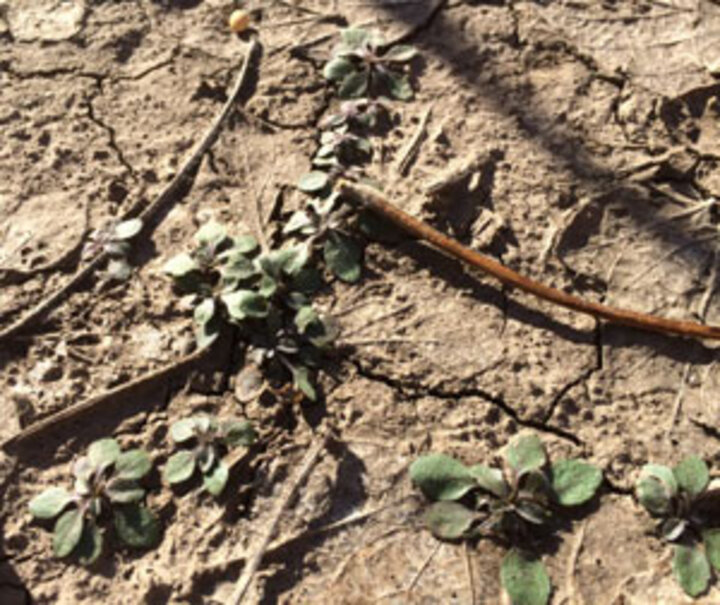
{"x":687,"y":503}
{"x":470,"y":501}
{"x":106,"y":484}
{"x":209,"y":440}
{"x":115,"y":241}
{"x":361,"y":67}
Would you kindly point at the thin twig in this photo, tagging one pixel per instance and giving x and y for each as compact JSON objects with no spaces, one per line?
{"x":122,"y":391}
{"x":417,"y":576}
{"x":169,"y":194}
{"x":471,"y":578}
{"x":571,"y":592}
{"x":679,"y":398}
{"x":411,"y":150}
{"x":377,"y":202}
{"x":282,"y":503}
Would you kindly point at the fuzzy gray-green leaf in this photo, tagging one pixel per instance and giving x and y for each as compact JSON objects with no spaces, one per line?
{"x":216,"y":480}
{"x":691,"y":569}
{"x":313,"y":182}
{"x":354,"y":85}
{"x":692,"y":475}
{"x":242,"y":304}
{"x":124,"y":490}
{"x":655,"y":488}
{"x":239,"y":433}
{"x":574,"y":482}
{"x":441,"y":477}
{"x":524,"y":579}
{"x":136,"y":526}
{"x":302,"y":382}
{"x":183,"y":430}
{"x":343,"y":257}
{"x":128,"y":229}
{"x":526,"y":453}
{"x":180,"y":467}
{"x":133,"y":464}
{"x":448,"y":520}
{"x":490,"y":479}
{"x":90,"y":545}
{"x":50,"y":503}
{"x":337,"y":69}
{"x":180,"y":265}
{"x":103,"y":452}
{"x":711,"y":540}
{"x":67,"y":532}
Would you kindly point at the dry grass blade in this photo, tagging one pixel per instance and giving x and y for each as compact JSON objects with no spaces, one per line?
{"x":282,"y":503}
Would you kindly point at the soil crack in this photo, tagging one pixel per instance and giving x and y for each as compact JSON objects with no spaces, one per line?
{"x":414,"y":391}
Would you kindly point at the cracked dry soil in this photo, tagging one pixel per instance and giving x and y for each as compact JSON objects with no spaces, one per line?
{"x":604,"y":120}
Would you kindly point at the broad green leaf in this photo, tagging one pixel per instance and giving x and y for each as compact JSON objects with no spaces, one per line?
{"x":133,"y":464}
{"x":128,"y":229}
{"x":50,"y":503}
{"x":124,"y":491}
{"x":313,"y":182}
{"x":692,"y":475}
{"x":355,"y":37}
{"x":103,"y":452}
{"x":400,"y":53}
{"x":441,"y":477}
{"x":180,"y":265}
{"x":336,"y":69}
{"x":711,"y":540}
{"x":207,"y":333}
{"x":244,"y":244}
{"x":118,"y":269}
{"x":691,"y":569}
{"x":448,"y":520}
{"x":180,"y":467}
{"x":67,"y":532}
{"x":204,"y":312}
{"x":524,"y":579}
{"x":304,"y":318}
{"x":400,"y":87}
{"x":297,"y":260}
{"x":242,"y":304}
{"x":490,"y":479}
{"x":136,"y":526}
{"x":216,"y":480}
{"x":299,"y":221}
{"x":183,"y":430}
{"x":574,"y":482}
{"x":526,"y":453}
{"x":354,"y":85}
{"x":90,"y":545}
{"x":308,"y":280}
{"x":343,"y":257}
{"x":302,"y":382}
{"x":211,"y":234}
{"x":239,"y":433}
{"x":655,"y":488}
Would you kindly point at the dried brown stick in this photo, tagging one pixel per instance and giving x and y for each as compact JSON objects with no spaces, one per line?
{"x":281,"y":505}
{"x":376,"y":201}
{"x":122,"y":391}
{"x":168,"y":194}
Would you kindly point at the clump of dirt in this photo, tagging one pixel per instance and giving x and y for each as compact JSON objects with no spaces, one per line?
{"x":601,"y":122}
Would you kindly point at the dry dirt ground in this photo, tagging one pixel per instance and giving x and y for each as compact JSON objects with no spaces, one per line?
{"x":604,"y":119}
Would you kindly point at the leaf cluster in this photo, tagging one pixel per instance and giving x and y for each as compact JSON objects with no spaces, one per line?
{"x":362,"y":66}
{"x":528,"y":491}
{"x":116,"y":242}
{"x":687,"y":503}
{"x":205,"y":440}
{"x":106,"y":486}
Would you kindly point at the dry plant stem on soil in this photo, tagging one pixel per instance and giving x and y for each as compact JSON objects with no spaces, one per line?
{"x":283,"y":502}
{"x":107,"y":398}
{"x":376,"y":201}
{"x":168,"y":194}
